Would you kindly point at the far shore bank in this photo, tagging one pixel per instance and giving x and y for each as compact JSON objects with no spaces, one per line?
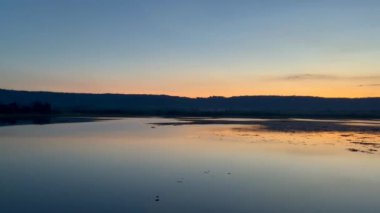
{"x":277,"y":120}
{"x":179,"y":114}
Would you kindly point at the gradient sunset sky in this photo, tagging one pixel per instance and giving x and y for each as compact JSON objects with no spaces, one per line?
{"x":327,"y":48}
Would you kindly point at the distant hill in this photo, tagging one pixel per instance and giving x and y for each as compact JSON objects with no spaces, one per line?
{"x":119,"y":104}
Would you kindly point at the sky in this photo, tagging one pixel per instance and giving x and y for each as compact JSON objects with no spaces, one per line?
{"x":194,"y":48}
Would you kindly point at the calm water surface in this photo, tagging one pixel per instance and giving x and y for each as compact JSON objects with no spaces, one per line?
{"x":131,"y":165}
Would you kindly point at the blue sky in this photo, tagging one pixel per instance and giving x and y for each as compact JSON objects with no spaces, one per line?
{"x":192,"y":48}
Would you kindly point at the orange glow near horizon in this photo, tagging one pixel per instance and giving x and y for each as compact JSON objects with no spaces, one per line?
{"x":228,"y":91}
{"x":212,"y":85}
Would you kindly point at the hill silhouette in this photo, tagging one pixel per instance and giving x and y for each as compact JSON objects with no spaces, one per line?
{"x":258,"y":106}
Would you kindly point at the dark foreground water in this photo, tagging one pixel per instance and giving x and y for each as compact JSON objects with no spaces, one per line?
{"x":132,"y":165}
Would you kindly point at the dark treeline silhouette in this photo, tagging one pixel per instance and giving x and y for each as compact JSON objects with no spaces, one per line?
{"x":163,"y":105}
{"x":35,"y":108}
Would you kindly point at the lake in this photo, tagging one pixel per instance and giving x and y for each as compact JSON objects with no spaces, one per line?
{"x":191,"y":165}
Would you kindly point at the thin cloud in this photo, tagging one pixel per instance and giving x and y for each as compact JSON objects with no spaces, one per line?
{"x":369,"y":77}
{"x":309,"y":77}
{"x":305,"y":77}
{"x":369,"y":85}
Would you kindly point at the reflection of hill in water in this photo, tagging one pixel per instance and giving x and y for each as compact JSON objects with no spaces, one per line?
{"x":358,"y":136}
{"x":289,"y":125}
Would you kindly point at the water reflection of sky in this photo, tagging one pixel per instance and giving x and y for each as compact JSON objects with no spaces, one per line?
{"x":122,"y":165}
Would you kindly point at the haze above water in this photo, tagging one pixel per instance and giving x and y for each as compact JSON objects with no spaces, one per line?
{"x":191,"y":165}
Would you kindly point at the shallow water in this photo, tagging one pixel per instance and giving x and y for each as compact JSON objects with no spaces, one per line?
{"x":133,"y":165}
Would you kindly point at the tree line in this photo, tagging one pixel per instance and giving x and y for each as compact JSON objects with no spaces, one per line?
{"x":32,"y":108}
